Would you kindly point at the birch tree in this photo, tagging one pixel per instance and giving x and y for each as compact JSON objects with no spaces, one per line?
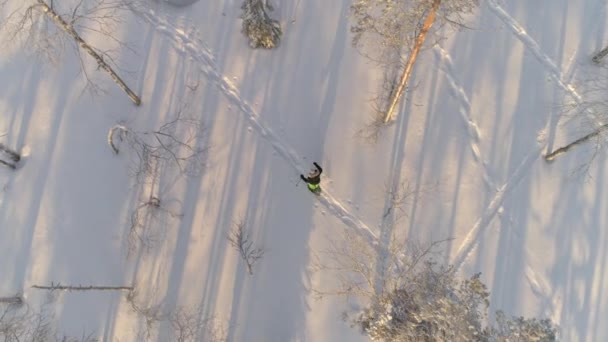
{"x":393,"y":33}
{"x":410,"y":296}
{"x":47,"y":27}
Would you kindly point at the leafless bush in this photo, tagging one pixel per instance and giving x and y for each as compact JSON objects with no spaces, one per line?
{"x":188,"y":324}
{"x":83,"y":338}
{"x":240,"y":239}
{"x":146,"y":214}
{"x":261,"y":30}
{"x":175,"y":143}
{"x":152,"y":314}
{"x":47,"y":28}
{"x":398,"y":197}
{"x":353,"y":259}
{"x":19,"y":323}
{"x":372,"y":131}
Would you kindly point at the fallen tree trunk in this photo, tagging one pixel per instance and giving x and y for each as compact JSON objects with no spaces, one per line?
{"x":86,"y":47}
{"x":598,"y":57}
{"x":60,"y":287}
{"x":407,"y":72}
{"x":551,"y":156}
{"x":15,"y":300}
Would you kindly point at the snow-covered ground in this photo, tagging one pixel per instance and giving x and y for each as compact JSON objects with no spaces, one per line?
{"x":472,"y":132}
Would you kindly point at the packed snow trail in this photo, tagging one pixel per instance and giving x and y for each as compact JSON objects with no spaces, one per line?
{"x":533,"y":46}
{"x":471,"y":240}
{"x":530,"y":44}
{"x":464,"y":109}
{"x":199,"y":52}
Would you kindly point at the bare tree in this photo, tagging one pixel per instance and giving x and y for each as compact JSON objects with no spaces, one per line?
{"x":398,"y":198}
{"x":176,"y":143}
{"x":409,"y":296}
{"x":187,"y":324}
{"x":240,"y":239}
{"x":9,"y":157}
{"x":19,"y":323}
{"x":392,"y":33}
{"x":47,"y":28}
{"x":261,"y":30}
{"x":83,"y":338}
{"x":587,"y":111}
{"x":353,"y":259}
{"x":152,"y":314}
{"x":146,"y":213}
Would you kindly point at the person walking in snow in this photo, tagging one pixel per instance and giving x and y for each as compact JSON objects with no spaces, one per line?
{"x":314,"y":179}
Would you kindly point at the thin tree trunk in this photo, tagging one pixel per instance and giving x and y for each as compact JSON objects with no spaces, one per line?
{"x":99,"y":59}
{"x":562,"y":150}
{"x":82,"y":288}
{"x":407,"y":72}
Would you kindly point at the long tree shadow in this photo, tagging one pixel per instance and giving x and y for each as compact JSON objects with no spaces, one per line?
{"x":530,"y":115}
{"x":277,"y":288}
{"x":575,"y":226}
{"x":29,"y":182}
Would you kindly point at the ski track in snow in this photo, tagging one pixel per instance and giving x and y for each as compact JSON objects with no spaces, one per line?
{"x":554,"y":72}
{"x":200,"y":53}
{"x":472,"y":238}
{"x":464,"y":109}
{"x":537,"y":281}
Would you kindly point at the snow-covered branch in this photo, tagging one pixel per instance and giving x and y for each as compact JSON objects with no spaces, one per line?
{"x":261,"y":30}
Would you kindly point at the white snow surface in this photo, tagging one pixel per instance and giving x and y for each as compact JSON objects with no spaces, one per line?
{"x":483,"y":111}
